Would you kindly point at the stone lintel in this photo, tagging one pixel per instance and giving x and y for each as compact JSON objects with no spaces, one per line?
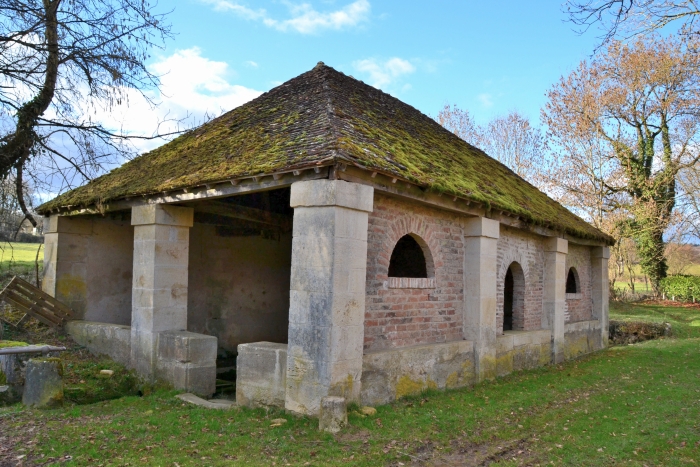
{"x":71,"y":225}
{"x":481,"y":227}
{"x":316,"y":193}
{"x":162,"y":214}
{"x":556,"y":245}
{"x":602,"y":252}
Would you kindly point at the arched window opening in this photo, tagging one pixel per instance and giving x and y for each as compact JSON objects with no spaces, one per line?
{"x":508,"y":302}
{"x":514,"y":298}
{"x":572,"y":285}
{"x":408,"y":259}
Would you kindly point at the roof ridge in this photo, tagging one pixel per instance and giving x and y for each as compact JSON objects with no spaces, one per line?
{"x":330,"y":108}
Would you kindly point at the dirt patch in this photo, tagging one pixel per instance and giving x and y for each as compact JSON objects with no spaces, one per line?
{"x":624,"y":332}
{"x":468,"y":454}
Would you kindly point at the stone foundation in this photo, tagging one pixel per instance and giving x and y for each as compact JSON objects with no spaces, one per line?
{"x":185,"y":360}
{"x":390,"y":374}
{"x":581,"y":338}
{"x":521,"y":350}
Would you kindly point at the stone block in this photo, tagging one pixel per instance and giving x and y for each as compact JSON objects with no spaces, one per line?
{"x":162,"y":214}
{"x":191,"y":377}
{"x":332,"y":193}
{"x":481,"y":227}
{"x":43,"y":386}
{"x":261,"y":374}
{"x":108,"y":339}
{"x":187,"y":347}
{"x":334,"y":414}
{"x":556,"y":245}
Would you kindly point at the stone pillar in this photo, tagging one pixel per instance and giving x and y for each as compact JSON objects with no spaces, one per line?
{"x":159,"y":296}
{"x":554,"y":296}
{"x":600,"y":288}
{"x":65,"y":260}
{"x":327,"y":296}
{"x":480,"y":261}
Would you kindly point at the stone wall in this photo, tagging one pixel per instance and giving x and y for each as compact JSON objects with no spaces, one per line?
{"x":521,"y":350}
{"x":579,"y":306}
{"x":390,"y":374}
{"x":528,"y":251}
{"x":581,"y":338}
{"x":91,"y":269}
{"x":400,"y":317}
{"x":238,"y":287}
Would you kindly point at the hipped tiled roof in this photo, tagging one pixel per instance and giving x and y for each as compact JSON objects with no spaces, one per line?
{"x":325,"y":117}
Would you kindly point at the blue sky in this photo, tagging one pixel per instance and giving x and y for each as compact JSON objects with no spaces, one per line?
{"x":486,"y":57}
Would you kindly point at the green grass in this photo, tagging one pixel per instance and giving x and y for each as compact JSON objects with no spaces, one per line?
{"x":18,"y":259}
{"x":685,"y":320}
{"x":630,"y":405}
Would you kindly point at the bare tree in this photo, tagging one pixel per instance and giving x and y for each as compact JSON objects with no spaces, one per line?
{"x":510,"y":139}
{"x":62,"y":62}
{"x":638,"y":105}
{"x":624,"y":19}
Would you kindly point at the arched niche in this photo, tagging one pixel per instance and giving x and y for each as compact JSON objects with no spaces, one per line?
{"x":514,"y":298}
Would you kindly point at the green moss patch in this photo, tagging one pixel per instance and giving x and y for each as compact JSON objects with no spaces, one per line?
{"x":7,"y":344}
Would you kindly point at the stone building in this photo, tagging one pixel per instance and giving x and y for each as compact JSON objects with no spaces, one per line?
{"x":330,"y":240}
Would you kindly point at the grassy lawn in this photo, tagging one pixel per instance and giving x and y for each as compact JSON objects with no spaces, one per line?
{"x":632,"y":405}
{"x":19,"y":259}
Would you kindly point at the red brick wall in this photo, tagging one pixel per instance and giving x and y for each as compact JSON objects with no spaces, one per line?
{"x":528,"y":251}
{"x":580,"y":309}
{"x":403,"y":317}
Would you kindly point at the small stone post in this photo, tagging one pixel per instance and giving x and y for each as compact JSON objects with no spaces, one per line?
{"x":600,"y":288}
{"x":327,"y":296}
{"x":159,"y":297}
{"x":334,"y":414}
{"x":554,"y":297}
{"x":43,"y":383}
{"x":480,"y":259}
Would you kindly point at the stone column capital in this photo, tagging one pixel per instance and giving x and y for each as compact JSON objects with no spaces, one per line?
{"x":67,"y":224}
{"x":162,"y":214}
{"x":602,"y":252}
{"x":482,"y":227}
{"x":556,"y":245}
{"x":317,"y":193}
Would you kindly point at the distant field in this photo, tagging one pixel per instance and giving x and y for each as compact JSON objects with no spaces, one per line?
{"x":19,"y":253}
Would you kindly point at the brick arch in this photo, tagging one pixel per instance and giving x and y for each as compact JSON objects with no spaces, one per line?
{"x":522,"y":276}
{"x":422,"y":233}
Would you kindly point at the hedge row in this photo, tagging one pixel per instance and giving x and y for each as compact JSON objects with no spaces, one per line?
{"x":681,"y":287}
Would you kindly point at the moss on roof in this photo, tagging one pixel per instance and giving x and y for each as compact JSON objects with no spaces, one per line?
{"x":324,"y":115}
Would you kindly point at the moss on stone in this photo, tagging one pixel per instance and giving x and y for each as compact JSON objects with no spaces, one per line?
{"x":8,"y":344}
{"x":325,"y":117}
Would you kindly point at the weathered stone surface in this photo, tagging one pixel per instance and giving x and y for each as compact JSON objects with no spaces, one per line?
{"x":332,"y":193}
{"x":334,"y":414}
{"x":187,"y":347}
{"x":261,"y":374}
{"x":162,"y":214}
{"x":368,"y":411}
{"x":197,"y":378}
{"x":327,"y":290}
{"x":43,"y":386}
{"x":521,"y":350}
{"x":581,"y":338}
{"x":112,"y":340}
{"x":390,"y":374}
{"x":480,"y":265}
{"x":554,"y":297}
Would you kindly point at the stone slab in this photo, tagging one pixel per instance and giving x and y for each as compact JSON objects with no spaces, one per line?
{"x":261,"y":374}
{"x":332,"y":193}
{"x":187,"y":347}
{"x":43,"y":387}
{"x":334,"y":414}
{"x":216,"y":404}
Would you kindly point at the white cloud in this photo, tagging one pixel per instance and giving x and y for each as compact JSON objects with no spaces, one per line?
{"x":304,"y":18}
{"x":486,"y":100}
{"x":251,"y":64}
{"x":192,"y":86}
{"x":382,"y":74}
